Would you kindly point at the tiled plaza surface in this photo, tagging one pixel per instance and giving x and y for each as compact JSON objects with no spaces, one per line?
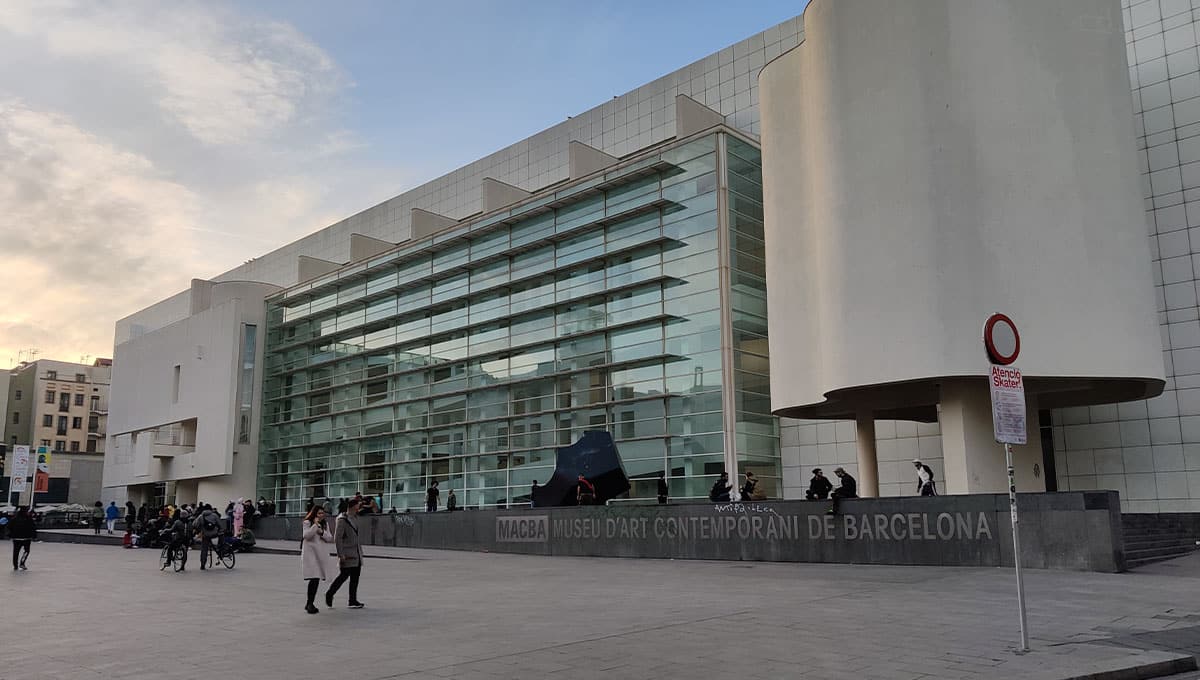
{"x":85,"y":611}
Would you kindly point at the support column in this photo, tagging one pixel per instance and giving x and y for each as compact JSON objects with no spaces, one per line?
{"x":868,"y":461}
{"x":973,"y":461}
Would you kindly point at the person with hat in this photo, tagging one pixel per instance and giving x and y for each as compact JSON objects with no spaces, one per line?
{"x":925,"y":484}
{"x":848,"y":488}
{"x":819,"y":486}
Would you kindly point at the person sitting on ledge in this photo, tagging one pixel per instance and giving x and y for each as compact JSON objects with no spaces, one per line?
{"x":720,"y":489}
{"x":848,"y":489}
{"x":819,"y":486}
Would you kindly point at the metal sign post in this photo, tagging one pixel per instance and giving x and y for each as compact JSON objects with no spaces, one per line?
{"x":1016,"y":532}
{"x":1007,"y":387}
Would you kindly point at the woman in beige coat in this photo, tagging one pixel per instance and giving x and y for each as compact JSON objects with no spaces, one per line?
{"x":314,"y":556}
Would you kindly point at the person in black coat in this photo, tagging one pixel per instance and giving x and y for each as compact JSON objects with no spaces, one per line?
{"x":848,"y":489}
{"x":22,"y":530}
{"x":819,"y":486}
{"x":663,"y":491}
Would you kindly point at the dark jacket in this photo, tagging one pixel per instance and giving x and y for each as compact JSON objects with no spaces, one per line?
{"x":849,"y":487}
{"x":820,"y":487}
{"x":662,"y":487}
{"x":21,"y":528}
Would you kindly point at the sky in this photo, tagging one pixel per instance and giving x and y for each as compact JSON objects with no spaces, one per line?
{"x":146,"y":143}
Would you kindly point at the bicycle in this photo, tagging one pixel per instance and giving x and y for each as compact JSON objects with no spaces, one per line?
{"x":224,"y":552}
{"x":172,"y":556}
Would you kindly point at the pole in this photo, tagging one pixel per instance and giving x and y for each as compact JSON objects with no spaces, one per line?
{"x":1016,"y":534}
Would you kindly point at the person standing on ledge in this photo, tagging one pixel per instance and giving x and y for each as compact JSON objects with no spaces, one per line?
{"x":662,"y":488}
{"x":819,"y":486}
{"x":349,"y":552}
{"x":925,"y":484}
{"x":451,"y":502}
{"x":533,"y":494}
{"x":585,"y":491}
{"x":848,"y":489}
{"x":431,"y":497}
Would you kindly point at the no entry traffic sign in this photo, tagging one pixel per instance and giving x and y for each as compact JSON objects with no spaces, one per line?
{"x":1001,"y":339}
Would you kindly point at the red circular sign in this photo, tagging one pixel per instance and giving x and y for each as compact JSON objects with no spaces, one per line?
{"x":1001,"y":339}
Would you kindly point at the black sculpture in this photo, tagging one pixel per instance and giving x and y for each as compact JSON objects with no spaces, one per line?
{"x":595,"y":457}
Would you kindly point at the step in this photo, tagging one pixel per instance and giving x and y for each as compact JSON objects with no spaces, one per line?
{"x":1148,"y":545}
{"x":1154,"y":553}
{"x":1138,"y":562}
{"x":1158,"y":541}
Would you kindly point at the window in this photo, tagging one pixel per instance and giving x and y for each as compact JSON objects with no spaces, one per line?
{"x":175,"y":386}
{"x":91,"y":446}
{"x":47,"y":420}
{"x":16,"y":418}
{"x":64,"y":401}
{"x":80,"y":377}
{"x":79,"y":400}
{"x":93,"y":424}
{"x":51,"y":375}
{"x":62,"y":426}
{"x":77,"y":423}
{"x":95,"y":406}
{"x":17,"y":395}
{"x":49,"y":396}
{"x":60,"y":445}
{"x":74,"y":447}
{"x":46,"y":443}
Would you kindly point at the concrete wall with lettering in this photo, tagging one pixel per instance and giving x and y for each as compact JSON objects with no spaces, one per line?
{"x":1072,"y":530}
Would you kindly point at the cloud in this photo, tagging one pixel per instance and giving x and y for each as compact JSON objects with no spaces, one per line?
{"x":226,"y":78}
{"x":143,"y":144}
{"x":85,"y":228}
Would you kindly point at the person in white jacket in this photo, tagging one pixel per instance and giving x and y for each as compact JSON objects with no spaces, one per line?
{"x":314,"y":556}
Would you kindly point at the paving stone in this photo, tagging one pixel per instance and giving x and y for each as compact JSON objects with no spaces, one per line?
{"x":98,"y":611}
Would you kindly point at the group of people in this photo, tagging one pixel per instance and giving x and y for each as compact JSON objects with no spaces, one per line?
{"x":751,"y":489}
{"x":820,"y":488}
{"x":314,"y":555}
{"x":186,"y":525}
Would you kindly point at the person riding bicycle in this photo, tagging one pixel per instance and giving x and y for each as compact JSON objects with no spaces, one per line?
{"x":208,"y":525}
{"x":179,"y":537}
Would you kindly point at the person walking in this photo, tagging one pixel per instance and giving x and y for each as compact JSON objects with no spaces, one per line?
{"x":22,"y":530}
{"x":662,"y":488}
{"x":97,"y":517}
{"x":111,"y":514}
{"x":925,"y":483}
{"x":313,"y":553}
{"x":349,"y":552}
{"x":431,"y":497}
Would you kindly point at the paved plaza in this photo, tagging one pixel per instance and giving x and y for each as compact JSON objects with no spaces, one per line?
{"x":87,"y":611}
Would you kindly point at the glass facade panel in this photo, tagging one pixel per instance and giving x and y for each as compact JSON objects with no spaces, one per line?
{"x":468,"y":359}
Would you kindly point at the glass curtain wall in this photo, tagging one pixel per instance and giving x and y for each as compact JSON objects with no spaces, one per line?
{"x":757,"y":434}
{"x":469,"y":357}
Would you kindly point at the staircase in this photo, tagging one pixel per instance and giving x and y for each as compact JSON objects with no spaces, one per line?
{"x":1157,"y":537}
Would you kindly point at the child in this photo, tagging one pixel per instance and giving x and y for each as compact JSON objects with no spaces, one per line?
{"x":127,"y":541}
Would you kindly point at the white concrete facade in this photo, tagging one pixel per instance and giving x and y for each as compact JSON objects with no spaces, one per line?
{"x":1147,"y":450}
{"x":179,"y":396}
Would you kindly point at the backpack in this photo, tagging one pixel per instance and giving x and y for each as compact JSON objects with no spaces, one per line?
{"x":209,"y":525}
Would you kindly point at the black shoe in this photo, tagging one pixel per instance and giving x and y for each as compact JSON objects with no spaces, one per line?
{"x":201,"y":568}
{"x":357,"y":605}
{"x":329,"y":599}
{"x":311,"y":609}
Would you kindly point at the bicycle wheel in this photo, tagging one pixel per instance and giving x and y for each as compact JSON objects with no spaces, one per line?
{"x":165,"y":559}
{"x":179,"y":559}
{"x":228,"y":558}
